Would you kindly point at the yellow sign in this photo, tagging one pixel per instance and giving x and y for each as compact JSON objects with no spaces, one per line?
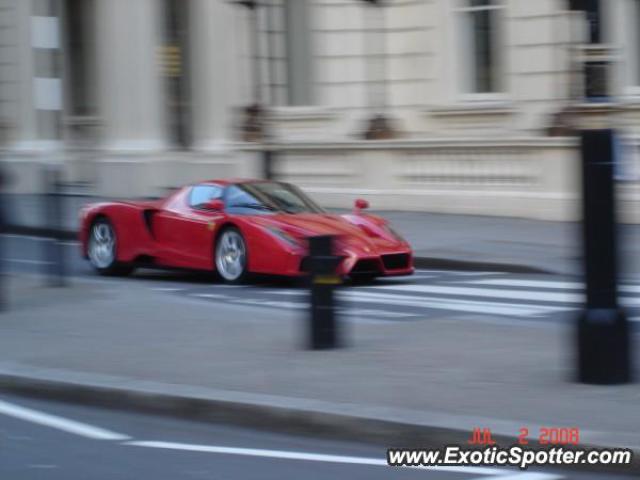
{"x":170,"y":58}
{"x":327,"y":280}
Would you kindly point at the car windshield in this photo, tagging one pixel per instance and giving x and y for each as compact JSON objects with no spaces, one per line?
{"x":268,"y":197}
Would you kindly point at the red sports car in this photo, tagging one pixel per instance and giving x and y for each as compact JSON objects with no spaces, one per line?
{"x":236,"y":228}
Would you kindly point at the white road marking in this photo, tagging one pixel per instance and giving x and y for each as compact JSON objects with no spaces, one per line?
{"x":509,"y":309}
{"x":319,"y":457}
{"x":217,"y":296}
{"x":476,"y":274}
{"x":375,"y":313}
{"x":27,"y":261}
{"x":301,"y":305}
{"x":269,"y":303}
{"x":559,"y":297}
{"x":475,"y":306}
{"x":238,"y":287}
{"x":419,"y":276}
{"x":629,"y":288}
{"x":530,"y":476}
{"x":167,"y":289}
{"x":456,"y":272}
{"x":552,"y":284}
{"x":546,"y":284}
{"x":60,"y":423}
{"x":24,"y":237}
{"x":532,"y":295}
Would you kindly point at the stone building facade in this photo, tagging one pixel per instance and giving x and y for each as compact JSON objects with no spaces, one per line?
{"x":481,"y":97}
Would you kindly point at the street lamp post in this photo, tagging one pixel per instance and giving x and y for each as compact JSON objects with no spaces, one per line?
{"x":379,"y":125}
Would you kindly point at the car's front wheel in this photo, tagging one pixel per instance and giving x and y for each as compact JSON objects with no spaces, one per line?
{"x":231,"y":255}
{"x":102,"y":248}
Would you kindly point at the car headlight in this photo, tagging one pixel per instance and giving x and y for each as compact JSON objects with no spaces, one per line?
{"x":284,"y":236}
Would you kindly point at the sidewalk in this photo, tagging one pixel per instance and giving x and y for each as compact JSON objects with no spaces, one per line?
{"x":439,"y":240}
{"x":424,"y":382}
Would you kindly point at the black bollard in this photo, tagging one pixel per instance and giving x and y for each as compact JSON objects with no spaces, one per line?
{"x":603,"y":329}
{"x":54,"y":250}
{"x":323,"y":263}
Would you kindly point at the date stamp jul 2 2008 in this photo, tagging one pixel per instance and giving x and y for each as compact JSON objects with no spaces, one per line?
{"x":543,"y":436}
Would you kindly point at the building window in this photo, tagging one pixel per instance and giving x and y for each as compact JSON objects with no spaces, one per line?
{"x":81,"y":100}
{"x":480,"y":45}
{"x":174,"y":57}
{"x":593,"y":12}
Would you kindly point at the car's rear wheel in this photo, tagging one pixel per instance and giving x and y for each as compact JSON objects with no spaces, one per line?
{"x":231,"y":255}
{"x":102,"y":249}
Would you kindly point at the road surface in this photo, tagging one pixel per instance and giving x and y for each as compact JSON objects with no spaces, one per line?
{"x":429,"y":293}
{"x":53,"y":441}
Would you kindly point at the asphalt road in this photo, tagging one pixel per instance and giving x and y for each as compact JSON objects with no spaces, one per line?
{"x":499,"y":297}
{"x":53,"y":441}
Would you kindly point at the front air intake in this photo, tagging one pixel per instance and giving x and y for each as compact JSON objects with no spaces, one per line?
{"x":395,"y":261}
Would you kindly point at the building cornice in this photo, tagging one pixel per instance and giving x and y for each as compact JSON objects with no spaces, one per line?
{"x":415,"y":144}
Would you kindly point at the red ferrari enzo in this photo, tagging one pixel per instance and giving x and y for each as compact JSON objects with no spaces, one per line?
{"x":236,"y":228}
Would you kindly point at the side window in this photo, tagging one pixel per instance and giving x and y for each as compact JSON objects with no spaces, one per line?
{"x":239,"y":201}
{"x":201,"y":194}
{"x":237,"y":197}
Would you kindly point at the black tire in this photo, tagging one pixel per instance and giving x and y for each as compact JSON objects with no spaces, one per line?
{"x":238,"y":254}
{"x":104,"y":263}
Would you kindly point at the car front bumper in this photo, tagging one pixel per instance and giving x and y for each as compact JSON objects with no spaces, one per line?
{"x":382,"y":265}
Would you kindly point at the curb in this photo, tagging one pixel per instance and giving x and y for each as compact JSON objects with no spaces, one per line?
{"x":31,"y":231}
{"x":472,"y":266}
{"x":419,"y":262}
{"x":384,"y":426}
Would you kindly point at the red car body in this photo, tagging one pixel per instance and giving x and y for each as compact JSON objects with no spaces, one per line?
{"x":171,"y":233}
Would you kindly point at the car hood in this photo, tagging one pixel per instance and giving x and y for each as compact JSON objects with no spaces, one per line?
{"x":366,"y":236}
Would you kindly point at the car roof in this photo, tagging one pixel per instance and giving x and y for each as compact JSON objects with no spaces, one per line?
{"x":231,"y":181}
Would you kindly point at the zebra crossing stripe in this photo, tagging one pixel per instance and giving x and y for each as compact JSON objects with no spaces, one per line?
{"x":550,"y":284}
{"x":537,"y":296}
{"x":509,"y":309}
{"x":439,"y":303}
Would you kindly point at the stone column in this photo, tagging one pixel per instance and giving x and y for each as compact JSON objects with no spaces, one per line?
{"x":31,"y":52}
{"x":216,"y":83}
{"x":130,"y":91}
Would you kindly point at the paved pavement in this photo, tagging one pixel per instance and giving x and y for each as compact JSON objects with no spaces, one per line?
{"x":542,"y":245}
{"x":44,"y":439}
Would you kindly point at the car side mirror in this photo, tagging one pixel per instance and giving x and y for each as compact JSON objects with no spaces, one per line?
{"x":360,"y":204}
{"x":215,"y":205}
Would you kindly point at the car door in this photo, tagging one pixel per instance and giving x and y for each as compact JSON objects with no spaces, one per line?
{"x":184,"y":228}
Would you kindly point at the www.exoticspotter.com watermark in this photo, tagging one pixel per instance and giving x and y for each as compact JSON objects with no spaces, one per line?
{"x":514,"y":456}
